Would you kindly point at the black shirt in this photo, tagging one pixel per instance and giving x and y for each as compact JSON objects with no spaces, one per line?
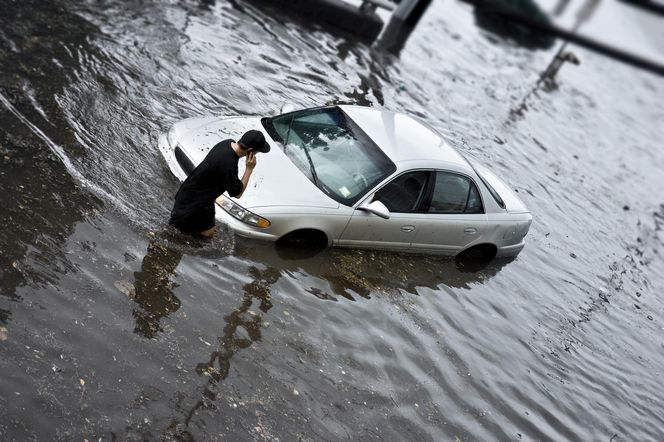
{"x":216,"y":174}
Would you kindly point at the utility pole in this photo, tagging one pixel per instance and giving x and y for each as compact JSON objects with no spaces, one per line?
{"x":402,"y":23}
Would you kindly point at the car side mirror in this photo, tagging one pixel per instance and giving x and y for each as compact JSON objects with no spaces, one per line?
{"x":287,"y":107}
{"x":377,"y":208}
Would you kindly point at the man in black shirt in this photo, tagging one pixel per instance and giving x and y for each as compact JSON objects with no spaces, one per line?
{"x":193,"y":212}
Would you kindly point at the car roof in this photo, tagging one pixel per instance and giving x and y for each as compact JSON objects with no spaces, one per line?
{"x":406,"y":140}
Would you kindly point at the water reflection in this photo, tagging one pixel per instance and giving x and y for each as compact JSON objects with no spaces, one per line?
{"x":153,"y":287}
{"x":4,"y":316}
{"x":487,"y":17}
{"x":42,"y":204}
{"x":355,"y":272}
{"x":143,"y":70}
{"x":547,"y":80}
{"x":401,"y":24}
{"x":39,"y":200}
{"x":372,"y":82}
{"x":243,"y":327}
{"x":349,"y":274}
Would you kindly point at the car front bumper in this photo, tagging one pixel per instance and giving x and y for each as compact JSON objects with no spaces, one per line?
{"x":242,"y":229}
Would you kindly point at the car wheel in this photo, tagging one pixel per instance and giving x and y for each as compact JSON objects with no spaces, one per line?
{"x":305,"y":238}
{"x":476,"y":257}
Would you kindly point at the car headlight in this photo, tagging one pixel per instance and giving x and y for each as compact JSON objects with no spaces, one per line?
{"x":239,"y":212}
{"x":171,"y":139}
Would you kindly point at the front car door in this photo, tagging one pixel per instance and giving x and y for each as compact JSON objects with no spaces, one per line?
{"x":403,"y":196}
{"x":454,"y":217}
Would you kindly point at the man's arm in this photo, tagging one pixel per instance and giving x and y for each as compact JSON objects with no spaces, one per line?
{"x":250,"y":164}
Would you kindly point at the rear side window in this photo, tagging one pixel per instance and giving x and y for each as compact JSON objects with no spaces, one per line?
{"x":454,"y":193}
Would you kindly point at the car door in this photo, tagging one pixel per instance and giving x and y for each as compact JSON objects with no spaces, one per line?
{"x":454,"y":217}
{"x":403,"y":197}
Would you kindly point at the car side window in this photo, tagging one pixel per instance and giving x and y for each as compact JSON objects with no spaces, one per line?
{"x":404,"y":193}
{"x":454,"y":193}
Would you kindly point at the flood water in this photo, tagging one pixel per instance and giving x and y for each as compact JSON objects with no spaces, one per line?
{"x":113,"y":327}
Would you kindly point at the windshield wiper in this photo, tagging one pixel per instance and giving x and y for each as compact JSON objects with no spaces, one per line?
{"x":306,"y":152}
{"x":311,"y":163}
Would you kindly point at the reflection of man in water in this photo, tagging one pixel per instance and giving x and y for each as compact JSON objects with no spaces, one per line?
{"x":193,"y":212}
{"x":153,"y":288}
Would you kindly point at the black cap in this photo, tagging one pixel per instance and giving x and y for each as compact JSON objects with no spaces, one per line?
{"x":255,"y":140}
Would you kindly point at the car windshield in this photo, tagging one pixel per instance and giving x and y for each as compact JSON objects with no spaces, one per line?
{"x":332,"y":151}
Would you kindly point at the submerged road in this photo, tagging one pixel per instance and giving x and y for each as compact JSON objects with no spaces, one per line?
{"x":114,"y":327}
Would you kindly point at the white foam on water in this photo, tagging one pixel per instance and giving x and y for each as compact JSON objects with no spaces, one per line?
{"x":62,"y":155}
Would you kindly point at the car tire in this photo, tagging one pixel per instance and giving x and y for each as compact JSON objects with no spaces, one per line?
{"x":476,"y":257}
{"x":304,"y":238}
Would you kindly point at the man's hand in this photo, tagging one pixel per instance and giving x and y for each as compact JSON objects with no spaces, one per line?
{"x":251,"y":161}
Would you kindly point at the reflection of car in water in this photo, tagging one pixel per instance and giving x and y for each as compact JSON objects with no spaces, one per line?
{"x":367,"y":272}
{"x":350,"y":176}
{"x":347,"y":273}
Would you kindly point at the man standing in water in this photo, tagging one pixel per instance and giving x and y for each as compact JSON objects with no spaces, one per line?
{"x":193,"y":212}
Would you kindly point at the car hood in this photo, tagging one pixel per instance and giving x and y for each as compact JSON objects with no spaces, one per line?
{"x":276,"y":181}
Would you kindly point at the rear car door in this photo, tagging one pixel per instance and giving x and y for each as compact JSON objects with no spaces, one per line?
{"x":403,"y":196}
{"x":454,"y":216}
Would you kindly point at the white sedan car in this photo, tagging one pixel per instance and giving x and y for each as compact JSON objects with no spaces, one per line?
{"x":351,"y":176}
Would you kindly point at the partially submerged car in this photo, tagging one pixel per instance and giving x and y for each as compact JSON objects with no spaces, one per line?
{"x":352,"y":176}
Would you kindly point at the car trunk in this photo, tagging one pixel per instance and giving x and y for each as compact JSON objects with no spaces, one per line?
{"x":513,"y":203}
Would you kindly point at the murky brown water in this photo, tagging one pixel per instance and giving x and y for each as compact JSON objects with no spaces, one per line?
{"x":113,"y":327}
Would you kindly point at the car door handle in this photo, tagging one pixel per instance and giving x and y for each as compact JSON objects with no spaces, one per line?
{"x":470,"y":230}
{"x":407,"y":228}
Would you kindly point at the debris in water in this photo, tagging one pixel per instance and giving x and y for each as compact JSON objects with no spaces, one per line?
{"x":82,"y":382}
{"x":126,"y":287}
{"x":4,"y":334}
